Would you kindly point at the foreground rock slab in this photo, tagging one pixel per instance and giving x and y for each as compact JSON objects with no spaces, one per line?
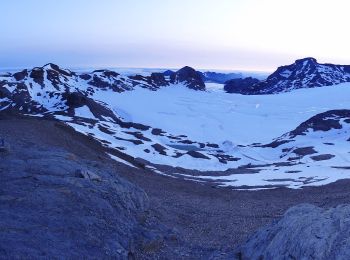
{"x":304,"y":232}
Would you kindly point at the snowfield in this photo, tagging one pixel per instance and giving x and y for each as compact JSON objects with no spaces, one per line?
{"x":216,"y":116}
{"x":235,"y":122}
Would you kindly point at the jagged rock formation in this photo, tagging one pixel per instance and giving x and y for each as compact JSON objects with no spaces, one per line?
{"x":304,"y":232}
{"x":240,"y":85}
{"x":303,"y":73}
{"x":190,"y":77}
{"x":50,"y":82}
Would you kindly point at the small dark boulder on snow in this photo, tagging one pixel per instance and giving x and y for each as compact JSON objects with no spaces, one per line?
{"x":197,"y":155}
{"x":240,"y":85}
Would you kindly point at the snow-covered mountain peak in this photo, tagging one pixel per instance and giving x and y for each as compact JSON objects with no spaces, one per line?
{"x":304,"y":61}
{"x":303,"y":73}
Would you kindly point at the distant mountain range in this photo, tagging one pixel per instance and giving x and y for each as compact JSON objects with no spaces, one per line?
{"x":303,"y":73}
{"x":25,"y":90}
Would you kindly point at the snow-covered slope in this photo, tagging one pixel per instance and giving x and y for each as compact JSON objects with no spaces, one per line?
{"x":159,"y":121}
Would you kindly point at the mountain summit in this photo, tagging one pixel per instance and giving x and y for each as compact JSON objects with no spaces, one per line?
{"x":303,"y":73}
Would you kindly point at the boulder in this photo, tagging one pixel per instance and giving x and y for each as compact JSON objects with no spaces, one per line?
{"x":86,"y":174}
{"x":304,"y":232}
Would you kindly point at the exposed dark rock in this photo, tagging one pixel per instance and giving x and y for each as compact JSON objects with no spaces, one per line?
{"x":323,"y":122}
{"x":322,"y":157}
{"x":240,"y":85}
{"x":4,"y":93}
{"x":190,"y":77}
{"x":224,"y":158}
{"x":48,"y":208}
{"x":303,"y":73}
{"x":105,"y":130}
{"x":160,"y":149}
{"x":302,"y":151}
{"x":276,"y":143}
{"x":86,"y":174}
{"x":168,"y":73}
{"x":153,"y":82}
{"x":37,"y":74}
{"x":158,"y":79}
{"x":138,"y":135}
{"x":304,"y":232}
{"x":85,"y":76}
{"x":20,"y":75}
{"x":56,"y":68}
{"x":75,"y":99}
{"x":212,"y":145}
{"x":157,"y":131}
{"x":197,"y":155}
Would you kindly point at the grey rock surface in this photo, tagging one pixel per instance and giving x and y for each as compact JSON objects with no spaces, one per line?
{"x":56,"y":204}
{"x":304,"y":232}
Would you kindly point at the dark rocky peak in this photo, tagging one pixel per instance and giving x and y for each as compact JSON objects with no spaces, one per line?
{"x":308,"y":60}
{"x":240,"y":85}
{"x":306,"y":65}
{"x":158,"y":79}
{"x":190,"y":77}
{"x":55,"y":74}
{"x":53,"y":68}
{"x":303,"y":73}
{"x":168,"y":73}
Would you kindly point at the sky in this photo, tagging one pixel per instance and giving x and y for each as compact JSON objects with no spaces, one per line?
{"x":257,"y":35}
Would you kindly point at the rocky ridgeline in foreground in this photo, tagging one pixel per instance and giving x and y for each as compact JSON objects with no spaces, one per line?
{"x":56,"y":203}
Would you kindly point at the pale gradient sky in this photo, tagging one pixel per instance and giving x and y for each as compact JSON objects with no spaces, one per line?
{"x":217,"y":34}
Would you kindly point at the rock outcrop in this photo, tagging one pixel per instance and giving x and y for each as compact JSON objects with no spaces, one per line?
{"x":304,"y":232}
{"x":240,"y":85}
{"x":303,"y":73}
{"x":189,"y":77}
{"x":58,"y":204}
